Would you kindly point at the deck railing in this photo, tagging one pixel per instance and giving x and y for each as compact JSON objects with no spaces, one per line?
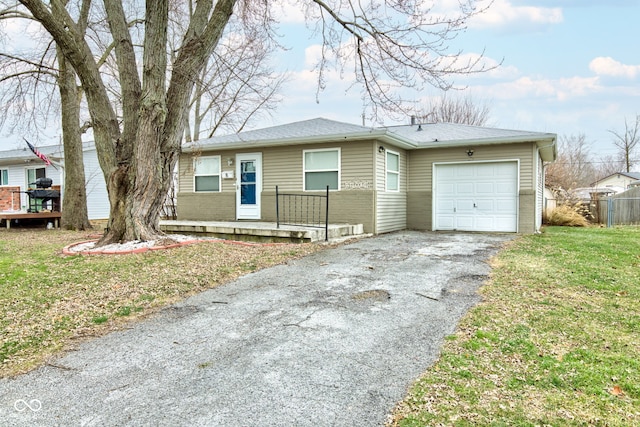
{"x":310,"y":210}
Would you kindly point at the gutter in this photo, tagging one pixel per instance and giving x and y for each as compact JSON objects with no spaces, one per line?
{"x":380,"y":135}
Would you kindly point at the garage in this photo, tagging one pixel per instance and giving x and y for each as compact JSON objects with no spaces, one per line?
{"x":477,"y":196}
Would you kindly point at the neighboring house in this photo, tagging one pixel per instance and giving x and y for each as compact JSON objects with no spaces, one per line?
{"x":619,"y":180}
{"x":426,"y":177}
{"x":550,"y":202}
{"x":20,"y":167}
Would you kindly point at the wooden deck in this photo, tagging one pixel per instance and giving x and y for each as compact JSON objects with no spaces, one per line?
{"x":9,"y":216}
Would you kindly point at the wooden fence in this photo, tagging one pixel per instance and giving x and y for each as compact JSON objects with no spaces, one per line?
{"x":621,"y":209}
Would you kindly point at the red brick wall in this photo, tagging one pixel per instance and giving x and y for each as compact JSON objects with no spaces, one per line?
{"x":6,"y":193}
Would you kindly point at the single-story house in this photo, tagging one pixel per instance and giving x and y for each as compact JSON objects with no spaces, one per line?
{"x":620,"y":181}
{"x":438,"y":176}
{"x":19,"y":169}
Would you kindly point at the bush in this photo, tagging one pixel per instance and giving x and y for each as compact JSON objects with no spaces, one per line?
{"x":567,"y":215}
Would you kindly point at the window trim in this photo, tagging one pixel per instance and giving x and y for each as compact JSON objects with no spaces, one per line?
{"x":338,"y":170}
{"x":387,"y":171}
{"x":219,"y":174}
{"x":4,"y":172}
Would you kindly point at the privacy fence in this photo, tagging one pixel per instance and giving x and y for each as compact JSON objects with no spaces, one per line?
{"x":621,"y":209}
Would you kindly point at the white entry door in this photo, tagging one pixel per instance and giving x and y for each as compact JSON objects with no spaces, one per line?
{"x":476,"y":196}
{"x":248,"y":185}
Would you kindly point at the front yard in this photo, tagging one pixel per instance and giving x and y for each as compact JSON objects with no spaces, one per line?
{"x":49,"y":301}
{"x":555,"y":341}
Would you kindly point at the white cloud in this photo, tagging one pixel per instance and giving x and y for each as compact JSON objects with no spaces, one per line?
{"x":288,"y":11}
{"x":607,"y":66}
{"x":527,"y":87}
{"x":502,"y":14}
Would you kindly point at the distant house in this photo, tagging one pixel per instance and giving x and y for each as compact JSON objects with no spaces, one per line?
{"x":620,"y":181}
{"x":427,"y":177}
{"x":20,"y":168}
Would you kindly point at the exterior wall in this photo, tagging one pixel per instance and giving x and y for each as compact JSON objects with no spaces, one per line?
{"x":97,"y":197}
{"x":420,"y":180}
{"x":283,"y":166}
{"x":391,"y":207}
{"x":8,"y":199}
{"x":362,"y":197}
{"x":207,"y":206}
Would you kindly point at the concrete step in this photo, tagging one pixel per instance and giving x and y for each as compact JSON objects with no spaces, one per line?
{"x":260,"y":231}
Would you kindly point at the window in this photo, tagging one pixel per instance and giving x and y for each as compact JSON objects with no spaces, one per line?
{"x":4,"y":177}
{"x":393,"y":171}
{"x":206,"y":173}
{"x":33,"y":174}
{"x":321,"y":168}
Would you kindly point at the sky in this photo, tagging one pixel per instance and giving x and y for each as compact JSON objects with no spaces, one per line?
{"x":563,"y":66}
{"x":568,"y":67}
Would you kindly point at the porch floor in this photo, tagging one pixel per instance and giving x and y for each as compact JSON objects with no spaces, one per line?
{"x":260,"y":231}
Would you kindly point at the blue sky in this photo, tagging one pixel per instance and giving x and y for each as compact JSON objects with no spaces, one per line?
{"x":568,"y":67}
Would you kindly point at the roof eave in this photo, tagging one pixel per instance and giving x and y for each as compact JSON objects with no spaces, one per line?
{"x":373,"y":135}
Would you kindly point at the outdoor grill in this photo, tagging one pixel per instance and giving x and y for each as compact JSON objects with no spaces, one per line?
{"x":43,"y":198}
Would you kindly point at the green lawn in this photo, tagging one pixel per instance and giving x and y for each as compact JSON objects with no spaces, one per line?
{"x":48,"y":301}
{"x":555,"y":342}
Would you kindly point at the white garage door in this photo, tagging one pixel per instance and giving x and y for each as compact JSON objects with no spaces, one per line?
{"x":476,"y":197}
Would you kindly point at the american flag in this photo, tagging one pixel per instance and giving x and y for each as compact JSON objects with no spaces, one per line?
{"x":35,"y":151}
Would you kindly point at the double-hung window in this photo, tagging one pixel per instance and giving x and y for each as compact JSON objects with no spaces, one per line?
{"x":4,"y":177}
{"x":321,"y":168}
{"x":206,"y":173}
{"x":393,"y":171}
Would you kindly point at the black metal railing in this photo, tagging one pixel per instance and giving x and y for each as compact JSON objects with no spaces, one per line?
{"x":310,"y":210}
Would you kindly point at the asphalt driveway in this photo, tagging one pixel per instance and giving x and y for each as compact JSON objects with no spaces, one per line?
{"x":333,"y":339}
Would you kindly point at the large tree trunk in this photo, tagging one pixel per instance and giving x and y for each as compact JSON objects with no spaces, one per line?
{"x":74,"y":203}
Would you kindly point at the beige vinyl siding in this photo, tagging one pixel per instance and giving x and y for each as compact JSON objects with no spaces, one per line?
{"x":391,"y":207}
{"x":420,"y":180}
{"x":391,"y":211}
{"x":282,"y":166}
{"x":420,"y":165}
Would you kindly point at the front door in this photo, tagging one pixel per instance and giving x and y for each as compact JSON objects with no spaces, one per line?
{"x":248,"y":185}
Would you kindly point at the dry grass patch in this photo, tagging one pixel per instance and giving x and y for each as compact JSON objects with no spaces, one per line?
{"x":48,"y":300}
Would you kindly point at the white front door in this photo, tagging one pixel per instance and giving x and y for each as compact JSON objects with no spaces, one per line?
{"x":248,"y":185}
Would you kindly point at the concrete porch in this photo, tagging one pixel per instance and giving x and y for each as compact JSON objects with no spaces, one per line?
{"x":260,"y":231}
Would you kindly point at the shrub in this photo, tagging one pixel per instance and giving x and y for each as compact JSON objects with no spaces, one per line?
{"x":567,"y":215}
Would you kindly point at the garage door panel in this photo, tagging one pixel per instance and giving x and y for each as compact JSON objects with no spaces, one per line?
{"x":465,"y":188}
{"x":476,"y":196}
{"x":485,"y":188}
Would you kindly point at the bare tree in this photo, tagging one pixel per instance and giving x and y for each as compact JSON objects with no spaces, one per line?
{"x":573,"y":167}
{"x":463,"y":110}
{"x":33,"y":76}
{"x":235,"y":86}
{"x":627,"y":142}
{"x":608,"y":165}
{"x":387,"y":44}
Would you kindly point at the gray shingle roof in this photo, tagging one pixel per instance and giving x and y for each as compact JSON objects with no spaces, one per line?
{"x":408,"y":136}
{"x":442,"y":133}
{"x":292,"y":131}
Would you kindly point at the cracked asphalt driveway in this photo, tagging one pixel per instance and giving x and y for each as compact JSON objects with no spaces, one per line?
{"x":333,"y":339}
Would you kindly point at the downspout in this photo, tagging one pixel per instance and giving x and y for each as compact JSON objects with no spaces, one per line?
{"x":539,"y":214}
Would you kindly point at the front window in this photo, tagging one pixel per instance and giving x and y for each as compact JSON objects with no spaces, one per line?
{"x":322,"y":168}
{"x":393,"y":171}
{"x":206,"y":173}
{"x":4,"y":177}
